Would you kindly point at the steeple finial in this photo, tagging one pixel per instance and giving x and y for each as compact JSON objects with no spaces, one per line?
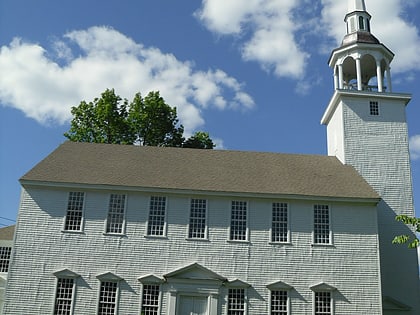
{"x":356,"y":5}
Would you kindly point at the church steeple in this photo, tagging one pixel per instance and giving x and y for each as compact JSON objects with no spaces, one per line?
{"x":361,"y":62}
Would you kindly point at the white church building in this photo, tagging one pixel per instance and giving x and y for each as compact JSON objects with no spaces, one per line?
{"x":118,"y":229}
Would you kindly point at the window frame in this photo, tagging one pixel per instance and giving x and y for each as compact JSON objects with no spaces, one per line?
{"x":279,"y":312}
{"x":272,"y":230}
{"x":5,"y":257}
{"x":65,"y":274}
{"x":205,"y":219}
{"x":159,"y":297}
{"x":331,"y":302}
{"x":374,"y":108}
{"x":107,"y":220}
{"x":315,"y":241}
{"x":116,"y":296}
{"x":56,"y":298}
{"x":82,"y":213}
{"x":233,"y":220}
{"x":164,"y":220}
{"x":235,"y":311}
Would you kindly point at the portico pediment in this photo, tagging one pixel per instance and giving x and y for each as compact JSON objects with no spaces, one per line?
{"x":194,"y":271}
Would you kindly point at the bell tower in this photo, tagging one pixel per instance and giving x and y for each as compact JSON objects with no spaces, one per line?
{"x":367,"y":128}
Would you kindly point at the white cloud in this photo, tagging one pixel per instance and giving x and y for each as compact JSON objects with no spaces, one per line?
{"x":415,"y":147}
{"x":275,"y":33}
{"x":45,"y":84}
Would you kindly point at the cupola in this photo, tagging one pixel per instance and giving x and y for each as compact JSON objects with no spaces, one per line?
{"x":362,"y":61}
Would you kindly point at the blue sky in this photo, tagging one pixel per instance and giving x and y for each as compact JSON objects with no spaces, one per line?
{"x":252,"y":73}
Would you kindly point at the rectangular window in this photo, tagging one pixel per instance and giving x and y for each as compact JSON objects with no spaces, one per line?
{"x":74,"y":213}
{"x":108,"y":298}
{"x":238,"y":221}
{"x":323,"y":303}
{"x":321,"y":224}
{"x":279,"y":303}
{"x":150,"y":299}
{"x":115,"y":220}
{"x":157,"y":213}
{"x":374,"y":108}
{"x":279,"y":224}
{"x":5,"y":258}
{"x":236,"y":302}
{"x":64,"y":296}
{"x":197,"y":226}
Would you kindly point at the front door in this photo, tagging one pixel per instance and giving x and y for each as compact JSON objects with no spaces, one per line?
{"x":192,"y":305}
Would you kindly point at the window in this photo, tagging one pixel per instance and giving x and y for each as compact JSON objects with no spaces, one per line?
{"x":279,"y":301}
{"x":150,"y":299}
{"x":323,"y":303}
{"x":321,"y":224}
{"x":236,"y":302}
{"x":361,"y":23}
{"x":374,"y":108}
{"x":64,"y":296}
{"x":238,"y":221}
{"x":115,"y":220}
{"x":156,"y":222}
{"x":74,"y":213}
{"x":5,"y":258}
{"x":279,"y":225}
{"x":108,"y":298}
{"x":197,"y":226}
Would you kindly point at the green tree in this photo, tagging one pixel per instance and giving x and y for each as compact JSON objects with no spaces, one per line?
{"x":153,"y":122}
{"x":103,"y":121}
{"x":200,"y":140}
{"x":412,"y":241}
{"x":144,"y":121}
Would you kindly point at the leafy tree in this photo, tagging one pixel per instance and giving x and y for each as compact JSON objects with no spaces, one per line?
{"x":144,"y":121}
{"x":413,"y":242}
{"x":200,"y":140}
{"x":103,"y":121}
{"x":153,"y":122}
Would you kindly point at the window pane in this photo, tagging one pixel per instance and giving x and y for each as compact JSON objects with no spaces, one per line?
{"x":322,"y":303}
{"x":238,"y":221}
{"x":279,"y":228}
{"x":321,"y":224}
{"x":63,"y":296}
{"x":74,"y":211}
{"x":150,"y":299}
{"x":279,"y":302}
{"x":107,"y":298}
{"x":5,"y":258}
{"x":374,"y":108}
{"x":156,"y":223}
{"x":115,"y":218}
{"x":197,"y":226}
{"x":236,"y":302}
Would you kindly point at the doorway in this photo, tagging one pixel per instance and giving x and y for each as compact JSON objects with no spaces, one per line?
{"x":192,"y":305}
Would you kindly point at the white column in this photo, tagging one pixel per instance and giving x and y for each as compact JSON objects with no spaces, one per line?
{"x":172,"y":302}
{"x":388,"y":78}
{"x":379,"y":76}
{"x":340,"y":76}
{"x":359,"y":74}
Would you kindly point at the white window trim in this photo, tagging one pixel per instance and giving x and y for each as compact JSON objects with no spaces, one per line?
{"x":109,"y":277}
{"x":238,"y":284}
{"x":287,"y":302}
{"x":279,"y":286}
{"x":246,"y":240}
{"x":323,"y":287}
{"x":82,"y":223}
{"x":330,"y":236}
{"x":206,"y":229}
{"x":288,"y":241}
{"x":159,"y":296}
{"x":123,"y":232}
{"x":165,"y":223}
{"x":65,"y":274}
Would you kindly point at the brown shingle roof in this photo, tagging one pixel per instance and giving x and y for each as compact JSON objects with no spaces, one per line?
{"x":6,"y":233}
{"x":200,"y":170}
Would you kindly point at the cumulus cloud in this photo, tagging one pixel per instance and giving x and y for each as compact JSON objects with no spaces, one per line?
{"x":275,"y":33}
{"x":44,"y":84}
{"x":415,"y":147}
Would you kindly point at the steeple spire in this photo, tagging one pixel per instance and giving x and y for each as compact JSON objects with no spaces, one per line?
{"x":357,"y":18}
{"x":356,"y":5}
